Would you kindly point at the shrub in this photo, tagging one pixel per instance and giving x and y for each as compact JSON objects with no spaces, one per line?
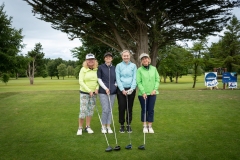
{"x":5,"y":78}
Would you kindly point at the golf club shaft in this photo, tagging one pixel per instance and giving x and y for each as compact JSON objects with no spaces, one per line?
{"x":145,"y":114}
{"x":110,"y":105}
{"x":128,"y":120}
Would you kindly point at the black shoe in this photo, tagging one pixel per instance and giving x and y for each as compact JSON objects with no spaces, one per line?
{"x":121,"y":129}
{"x":129,"y":129}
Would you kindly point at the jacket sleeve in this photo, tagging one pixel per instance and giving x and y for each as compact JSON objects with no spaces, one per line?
{"x":157,"y":80}
{"x":100,"y":82}
{"x":134,"y":83}
{"x":139,"y":81}
{"x":81,"y":81}
{"x":97,"y":87}
{"x":99,"y":76}
{"x":119,"y":83}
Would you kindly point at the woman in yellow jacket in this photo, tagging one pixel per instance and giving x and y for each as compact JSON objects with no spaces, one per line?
{"x":148,"y":81}
{"x":88,"y":88}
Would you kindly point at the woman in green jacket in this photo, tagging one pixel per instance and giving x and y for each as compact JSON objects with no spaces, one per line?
{"x":148,"y":81}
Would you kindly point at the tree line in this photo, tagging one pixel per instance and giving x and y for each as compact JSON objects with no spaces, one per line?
{"x":171,"y":59}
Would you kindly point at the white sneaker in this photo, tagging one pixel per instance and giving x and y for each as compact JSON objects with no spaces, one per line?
{"x":150,"y":130}
{"x":104,"y":130}
{"x":79,"y":132}
{"x":145,"y":130}
{"x":109,"y":130}
{"x":89,"y":130}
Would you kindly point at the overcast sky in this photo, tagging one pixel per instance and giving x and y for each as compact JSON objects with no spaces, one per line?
{"x":55,"y":43}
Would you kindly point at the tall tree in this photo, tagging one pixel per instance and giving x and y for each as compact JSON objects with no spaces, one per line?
{"x":62,"y":70}
{"x":21,"y":65}
{"x":10,"y":42}
{"x":174,"y":62}
{"x":51,"y":68}
{"x":70,"y":71}
{"x":57,"y":62}
{"x":180,"y":61}
{"x":35,"y":61}
{"x":199,"y":51}
{"x":139,"y":25}
{"x":227,"y":50}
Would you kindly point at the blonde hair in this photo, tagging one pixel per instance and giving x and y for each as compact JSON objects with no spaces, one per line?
{"x":86,"y":66}
{"x":125,"y":51}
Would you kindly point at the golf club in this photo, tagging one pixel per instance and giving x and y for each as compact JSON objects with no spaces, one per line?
{"x":142,"y":147}
{"x":117,"y":148}
{"x":130,"y":144}
{"x":109,"y":148}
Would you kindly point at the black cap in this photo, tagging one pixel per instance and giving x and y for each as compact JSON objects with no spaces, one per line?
{"x":108,"y":54}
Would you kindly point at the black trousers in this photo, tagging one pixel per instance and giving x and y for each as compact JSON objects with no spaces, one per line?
{"x":122,"y":106}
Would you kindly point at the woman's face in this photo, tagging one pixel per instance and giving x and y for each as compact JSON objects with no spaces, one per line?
{"x":108,"y":59}
{"x":145,"y":61}
{"x":90,"y":62}
{"x":126,"y":56}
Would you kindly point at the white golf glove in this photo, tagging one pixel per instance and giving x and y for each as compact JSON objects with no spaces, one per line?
{"x":129,"y":92}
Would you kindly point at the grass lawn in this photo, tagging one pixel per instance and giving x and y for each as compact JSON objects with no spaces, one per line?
{"x":40,"y":122}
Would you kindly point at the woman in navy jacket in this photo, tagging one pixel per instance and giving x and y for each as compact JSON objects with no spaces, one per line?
{"x":107,"y":87}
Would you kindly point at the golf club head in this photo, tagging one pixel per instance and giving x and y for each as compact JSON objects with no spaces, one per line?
{"x":109,"y":149}
{"x":128,"y":146}
{"x":117,"y":148}
{"x":142,"y":147}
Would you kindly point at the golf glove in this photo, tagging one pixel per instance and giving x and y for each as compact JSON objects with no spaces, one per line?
{"x":129,"y":92}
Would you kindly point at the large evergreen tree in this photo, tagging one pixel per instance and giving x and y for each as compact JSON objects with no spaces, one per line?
{"x":139,"y":25}
{"x":10,"y":43}
{"x":226,"y":52}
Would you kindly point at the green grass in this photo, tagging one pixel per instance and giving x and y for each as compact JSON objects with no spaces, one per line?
{"x":40,"y":122}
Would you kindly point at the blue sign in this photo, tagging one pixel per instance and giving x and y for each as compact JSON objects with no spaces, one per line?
{"x":229,"y":77}
{"x":210,"y":76}
{"x":211,"y":79}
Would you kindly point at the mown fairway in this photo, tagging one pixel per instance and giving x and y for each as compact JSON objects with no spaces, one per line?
{"x":40,"y":122}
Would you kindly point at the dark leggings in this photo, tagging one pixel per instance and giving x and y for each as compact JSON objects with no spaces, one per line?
{"x":122,"y":106}
{"x":150,"y":102}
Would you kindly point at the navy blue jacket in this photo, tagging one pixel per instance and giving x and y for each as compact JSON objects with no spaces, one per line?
{"x":108,"y":76}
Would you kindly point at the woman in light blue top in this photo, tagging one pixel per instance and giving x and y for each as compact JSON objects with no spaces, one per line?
{"x":126,"y":82}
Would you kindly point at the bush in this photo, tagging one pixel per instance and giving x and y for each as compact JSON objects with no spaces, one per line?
{"x":5,"y":78}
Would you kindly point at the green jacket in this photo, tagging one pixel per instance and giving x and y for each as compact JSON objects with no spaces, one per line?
{"x":88,"y":80}
{"x":147,"y":80}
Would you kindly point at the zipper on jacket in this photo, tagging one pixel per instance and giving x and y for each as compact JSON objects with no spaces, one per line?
{"x":109,"y":77}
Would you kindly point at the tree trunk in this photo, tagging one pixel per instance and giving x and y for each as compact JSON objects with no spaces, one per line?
{"x":154,"y":53}
{"x":194,"y":81}
{"x":177,"y":77}
{"x":164,"y":79}
{"x":31,"y":71}
{"x":16,"y":75}
{"x":195,"y":75}
{"x":142,"y":47}
{"x":31,"y":80}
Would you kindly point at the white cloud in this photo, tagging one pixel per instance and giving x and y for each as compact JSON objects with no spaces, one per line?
{"x":55,"y":43}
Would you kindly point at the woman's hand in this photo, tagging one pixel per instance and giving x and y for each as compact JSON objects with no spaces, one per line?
{"x":144,"y":96}
{"x":91,"y":94}
{"x":153,"y":92}
{"x":107,"y":91}
{"x":124,"y":92}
